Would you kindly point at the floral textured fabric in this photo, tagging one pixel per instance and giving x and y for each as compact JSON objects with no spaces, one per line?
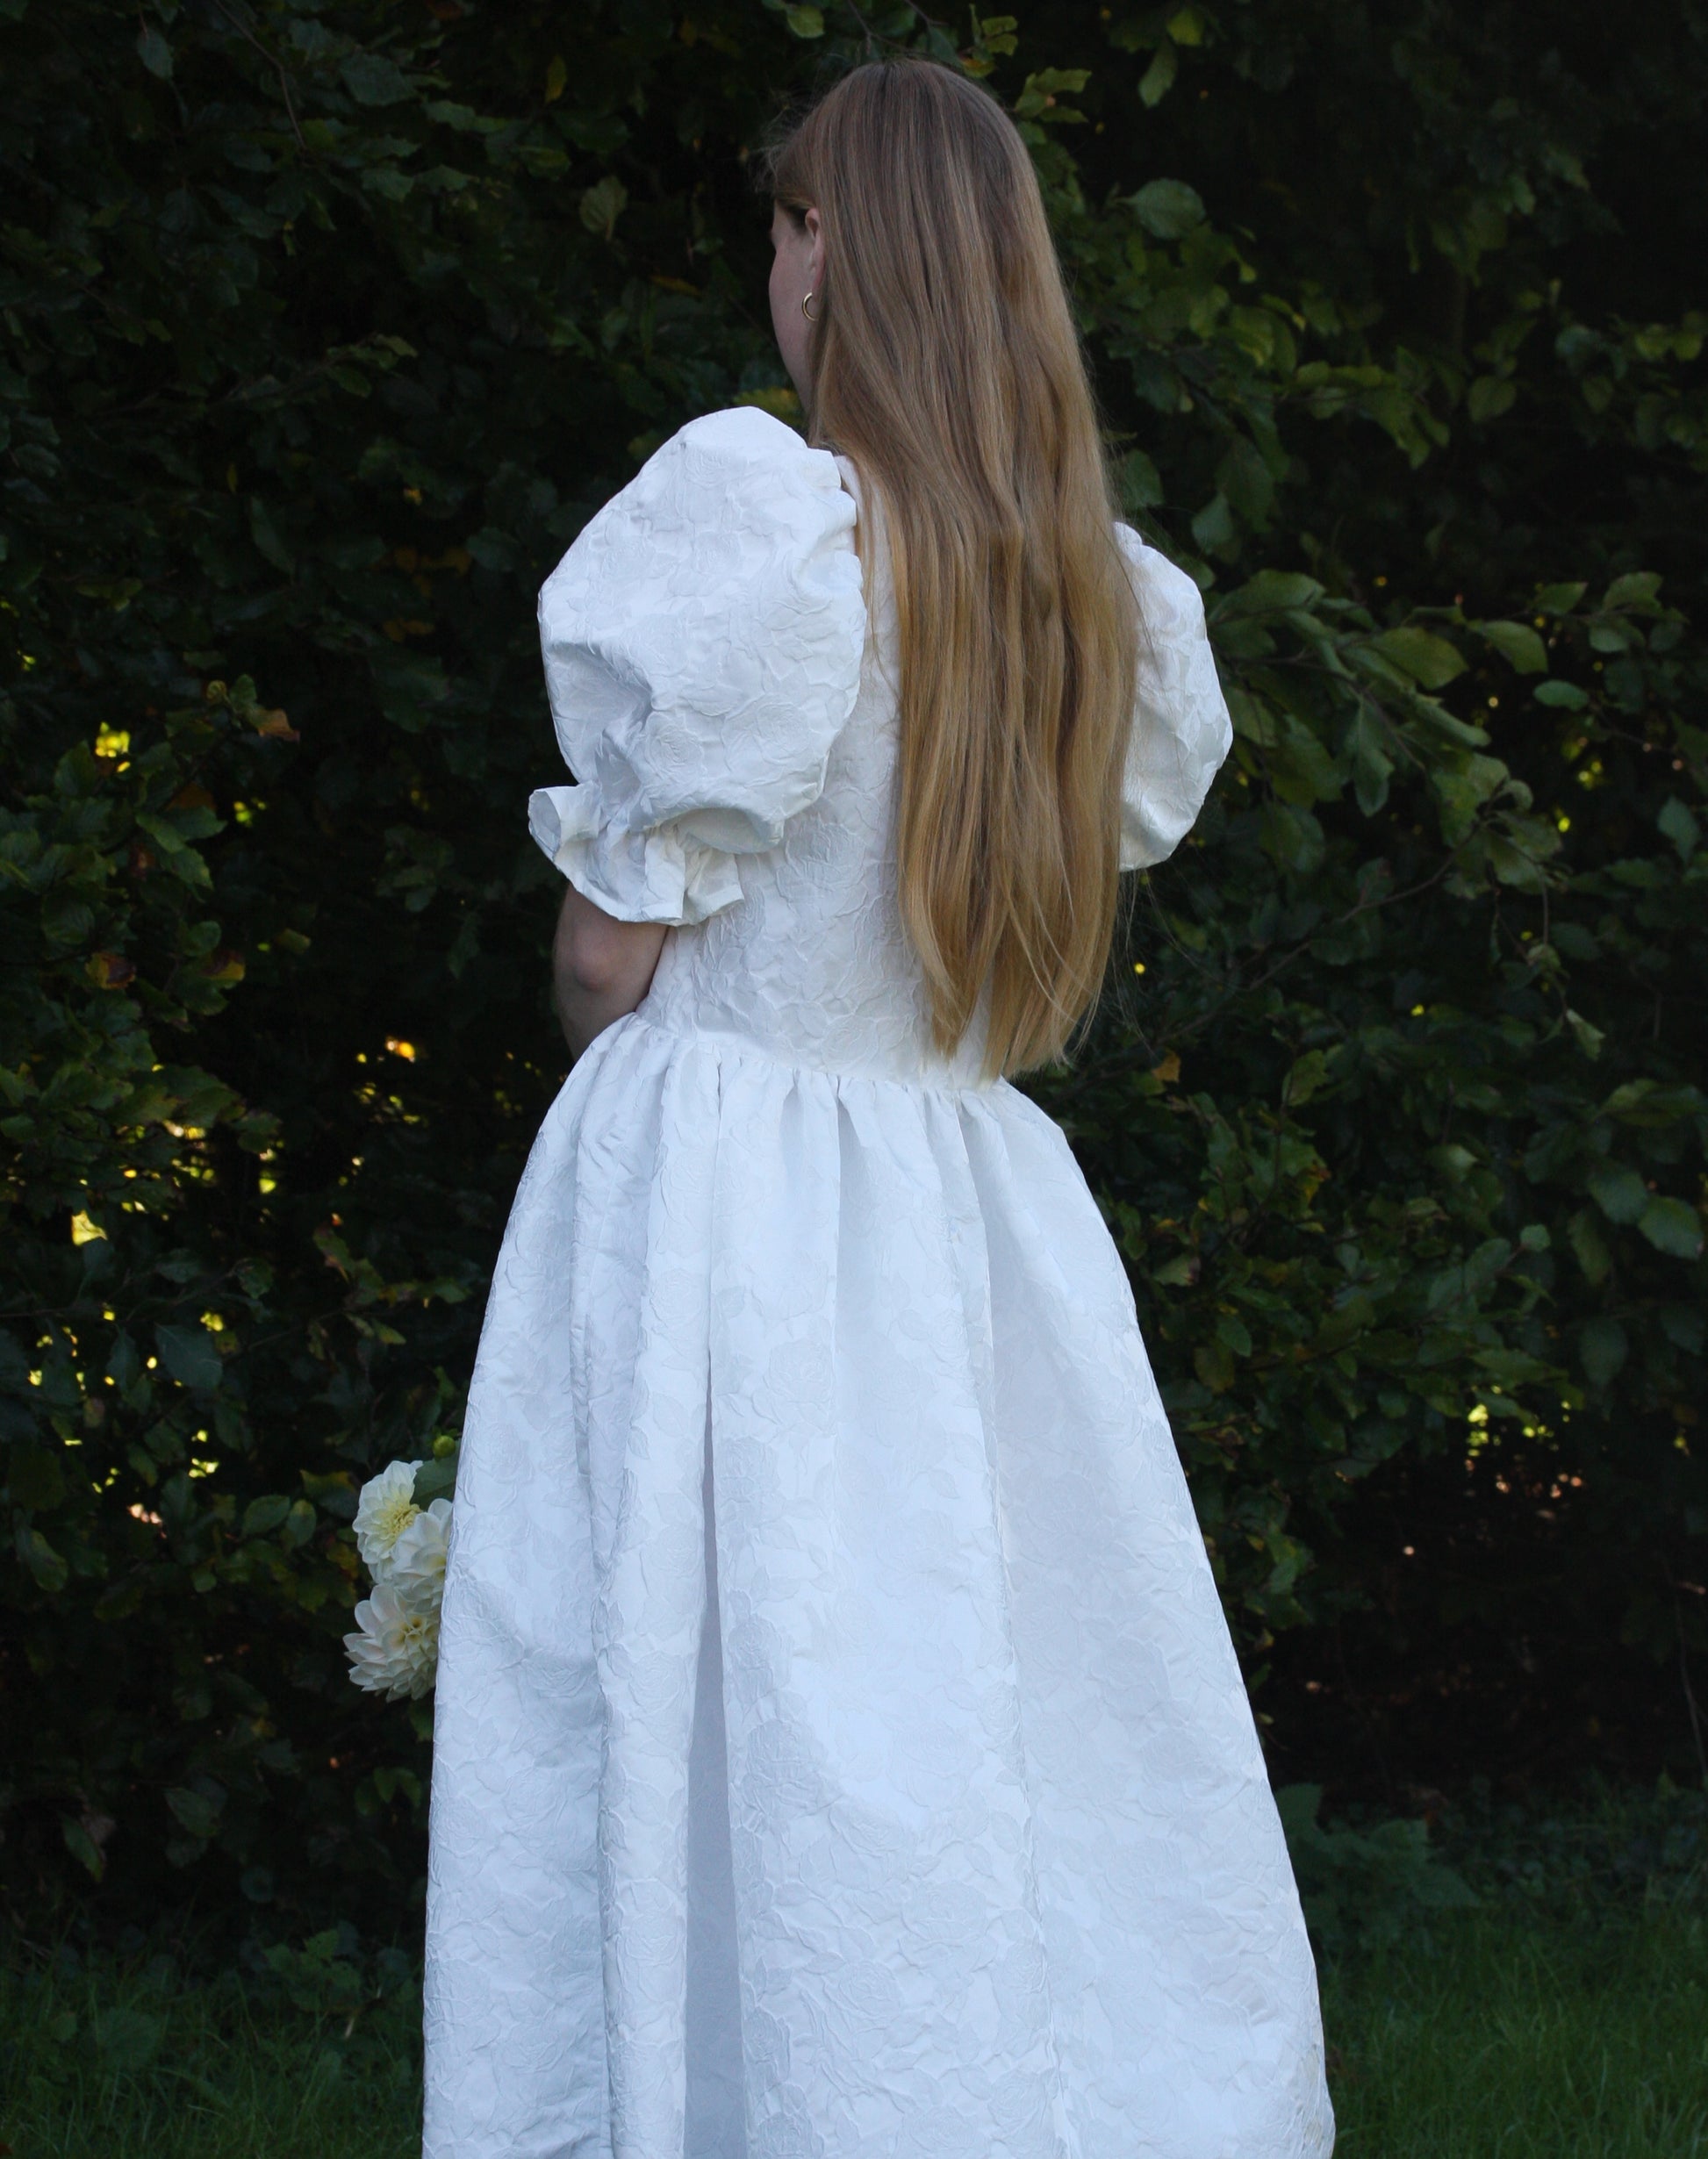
{"x":840,"y":1753}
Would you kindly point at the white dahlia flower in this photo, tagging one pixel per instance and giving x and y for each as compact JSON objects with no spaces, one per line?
{"x":395,"y":1648}
{"x":417,"y":1572}
{"x":384,"y":1510}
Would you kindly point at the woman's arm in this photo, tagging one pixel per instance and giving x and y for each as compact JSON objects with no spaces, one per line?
{"x":600,"y":968}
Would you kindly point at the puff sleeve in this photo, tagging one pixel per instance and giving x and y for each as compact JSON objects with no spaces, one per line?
{"x":1180,"y":732}
{"x":702,"y":643}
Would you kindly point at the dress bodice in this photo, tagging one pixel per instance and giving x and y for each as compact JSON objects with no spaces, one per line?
{"x":721,"y":662}
{"x":812,"y":963}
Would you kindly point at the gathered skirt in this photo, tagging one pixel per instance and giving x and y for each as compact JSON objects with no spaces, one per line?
{"x":839,"y":1748}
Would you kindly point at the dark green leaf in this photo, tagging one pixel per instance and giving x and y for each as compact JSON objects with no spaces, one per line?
{"x":1620,"y":1194}
{"x":263,"y":1516}
{"x":1428,"y":659}
{"x":44,"y":1563}
{"x":373,"y":80}
{"x":1518,"y":643}
{"x":1680,"y":826}
{"x":199,"y":1812}
{"x":1603,"y":1347}
{"x":34,"y":1479}
{"x":435,"y":1480}
{"x":154,"y":52}
{"x":1490,"y":396}
{"x":190,"y":1356}
{"x":1672,"y":1227}
{"x":603,"y":205}
{"x":1158,"y":78}
{"x":1168,"y":208}
{"x":1636,"y":590}
{"x":82,"y":1847}
{"x":265,"y":536}
{"x":1272,"y":592}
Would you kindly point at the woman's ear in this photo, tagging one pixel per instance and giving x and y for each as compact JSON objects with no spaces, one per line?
{"x":815,"y":234}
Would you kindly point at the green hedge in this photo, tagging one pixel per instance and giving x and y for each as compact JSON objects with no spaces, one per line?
{"x":326,"y":327}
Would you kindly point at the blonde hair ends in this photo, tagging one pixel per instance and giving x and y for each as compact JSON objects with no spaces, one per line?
{"x":945,"y":365}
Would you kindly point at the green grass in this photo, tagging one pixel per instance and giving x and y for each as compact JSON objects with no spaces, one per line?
{"x":1520,"y":2036}
{"x":1507,"y":2034}
{"x":115,"y":2061}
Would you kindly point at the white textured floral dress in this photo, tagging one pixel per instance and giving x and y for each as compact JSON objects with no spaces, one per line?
{"x":839,"y":1747}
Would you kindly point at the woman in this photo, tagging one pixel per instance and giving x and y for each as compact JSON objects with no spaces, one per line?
{"x":840,"y":1750}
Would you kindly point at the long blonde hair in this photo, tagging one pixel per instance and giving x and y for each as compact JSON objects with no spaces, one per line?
{"x":945,"y":365}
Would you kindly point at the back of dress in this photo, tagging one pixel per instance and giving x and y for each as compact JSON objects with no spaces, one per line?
{"x":839,"y":1750}
{"x":813,"y":962}
{"x":721,"y":656}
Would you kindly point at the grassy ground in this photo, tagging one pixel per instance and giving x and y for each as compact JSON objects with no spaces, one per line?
{"x":1512,"y":2034}
{"x":109,"y":2061}
{"x":1521,"y":2036}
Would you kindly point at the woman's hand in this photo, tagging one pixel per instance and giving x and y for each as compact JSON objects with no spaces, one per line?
{"x":600,"y":968}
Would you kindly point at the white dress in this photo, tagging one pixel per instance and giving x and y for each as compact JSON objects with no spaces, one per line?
{"x":839,"y":1747}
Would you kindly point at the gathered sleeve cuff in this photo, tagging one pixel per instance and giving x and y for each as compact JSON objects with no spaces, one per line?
{"x":657,"y":876}
{"x":702,"y":643}
{"x":1180,"y":731}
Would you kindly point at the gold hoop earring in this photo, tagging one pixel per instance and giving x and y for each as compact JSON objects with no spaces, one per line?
{"x":806,"y":307}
